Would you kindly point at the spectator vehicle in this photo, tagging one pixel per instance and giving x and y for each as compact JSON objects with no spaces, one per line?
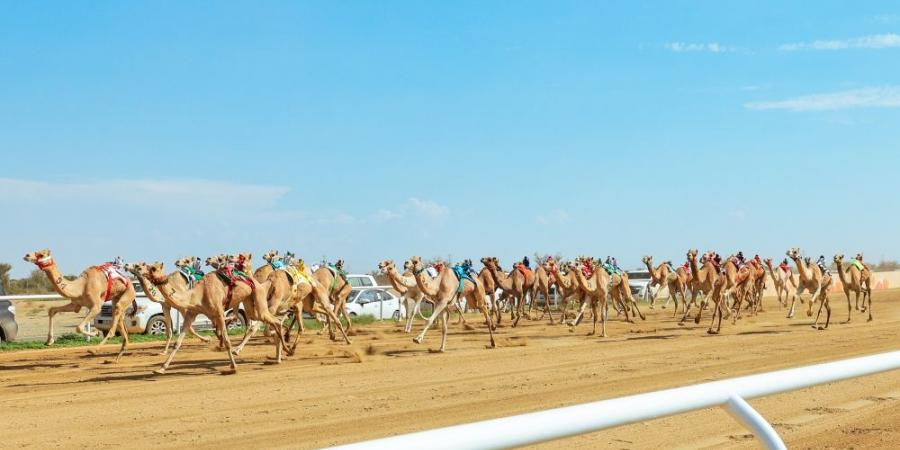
{"x":378,"y":302}
{"x":8,"y":326}
{"x":149,"y":319}
{"x":359,"y":280}
{"x":639,"y":280}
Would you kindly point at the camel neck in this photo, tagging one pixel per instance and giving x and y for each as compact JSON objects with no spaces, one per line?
{"x":66,"y":288}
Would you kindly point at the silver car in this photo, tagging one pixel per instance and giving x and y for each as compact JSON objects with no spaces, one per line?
{"x":8,"y":326}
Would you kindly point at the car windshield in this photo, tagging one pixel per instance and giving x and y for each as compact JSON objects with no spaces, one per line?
{"x":639,"y":275}
{"x":353,"y":294}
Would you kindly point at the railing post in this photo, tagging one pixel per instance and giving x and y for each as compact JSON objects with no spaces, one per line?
{"x":754,"y":421}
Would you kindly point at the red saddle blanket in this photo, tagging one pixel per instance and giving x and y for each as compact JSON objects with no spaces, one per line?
{"x":525,"y":271}
{"x":112,"y":275}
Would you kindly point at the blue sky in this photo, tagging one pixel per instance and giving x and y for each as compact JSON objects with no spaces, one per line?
{"x":370,"y":130}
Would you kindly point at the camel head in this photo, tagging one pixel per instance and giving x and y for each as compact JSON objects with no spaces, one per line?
{"x":135,"y":268}
{"x":692,"y":254}
{"x":184,"y":261}
{"x":43,"y":258}
{"x":270,"y":256}
{"x":793,"y":253}
{"x":415,"y":264}
{"x":491,"y":262}
{"x":647,"y":260}
{"x":156,"y":273}
{"x":768,"y":261}
{"x":838,"y":259}
{"x":217,"y":261}
{"x":386,"y":265}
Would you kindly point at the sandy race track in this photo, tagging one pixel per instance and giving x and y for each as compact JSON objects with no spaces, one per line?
{"x":384,"y":384}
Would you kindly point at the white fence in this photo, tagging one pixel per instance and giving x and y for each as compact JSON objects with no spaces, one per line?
{"x":44,"y":296}
{"x":536,"y":427}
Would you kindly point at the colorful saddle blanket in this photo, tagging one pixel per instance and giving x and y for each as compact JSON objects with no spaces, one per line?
{"x":587,"y":270}
{"x":277,"y":264}
{"x":525,"y":270}
{"x":113,"y":274}
{"x":858,"y":264}
{"x":297,"y":275}
{"x":230,"y":275}
{"x":191,"y":275}
{"x":612,"y":270}
{"x":462,"y":275}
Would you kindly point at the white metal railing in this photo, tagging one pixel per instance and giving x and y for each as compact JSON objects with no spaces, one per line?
{"x":45,"y":296}
{"x":541,"y":426}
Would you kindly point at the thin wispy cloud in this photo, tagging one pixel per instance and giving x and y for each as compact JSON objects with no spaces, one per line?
{"x":685,"y":47}
{"x":195,"y":195}
{"x":879,"y":97}
{"x":874,"y":41}
{"x":554,"y":217}
{"x":886,"y":18}
{"x":429,"y":208}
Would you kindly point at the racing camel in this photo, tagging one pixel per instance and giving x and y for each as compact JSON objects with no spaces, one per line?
{"x":95,"y":285}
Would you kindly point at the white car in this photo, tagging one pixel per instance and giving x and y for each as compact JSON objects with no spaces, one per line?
{"x":359,"y":280}
{"x":378,"y":302}
{"x":149,"y":319}
{"x":639,"y":281}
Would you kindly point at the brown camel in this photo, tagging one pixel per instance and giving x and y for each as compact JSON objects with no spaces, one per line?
{"x":567,"y":287}
{"x":179,"y":283}
{"x":517,"y":284}
{"x":542,"y":282}
{"x":89,"y":290}
{"x":596,"y":293}
{"x":443,"y":289}
{"x":858,"y":281}
{"x":658,"y":278}
{"x":212,"y":296}
{"x":263,"y":272}
{"x":813,"y":280}
{"x":780,"y":280}
{"x":738,"y":285}
{"x":331,"y":292}
{"x":708,"y":281}
{"x":410,"y":295}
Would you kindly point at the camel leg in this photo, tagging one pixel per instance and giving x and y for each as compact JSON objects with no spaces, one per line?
{"x":188,"y":321}
{"x":849,"y":309}
{"x":438,"y":310}
{"x":222,"y":331}
{"x":92,"y":312}
{"x":487,"y":317}
{"x":445,"y":326}
{"x":255,"y":325}
{"x":460,"y":310}
{"x":797,"y":293}
{"x":816,"y":322}
{"x":595,"y":318}
{"x":71,"y":307}
{"x":580,"y":314}
{"x":170,"y":333}
{"x":687,"y":309}
{"x":331,"y":317}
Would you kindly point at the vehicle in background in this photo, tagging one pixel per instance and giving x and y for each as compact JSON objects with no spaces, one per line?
{"x":8,"y":326}
{"x":378,"y":302}
{"x":359,"y":280}
{"x":639,"y":281}
{"x":149,"y":318}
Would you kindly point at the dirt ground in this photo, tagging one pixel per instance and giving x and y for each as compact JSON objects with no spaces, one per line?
{"x":384,"y":384}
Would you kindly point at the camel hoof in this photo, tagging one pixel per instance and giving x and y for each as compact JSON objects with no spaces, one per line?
{"x":697,"y":320}
{"x":417,"y":340}
{"x":49,"y":343}
{"x":809,"y":314}
{"x":230,"y":371}
{"x":711,"y":332}
{"x":870,"y":319}
{"x":160,"y":371}
{"x":681,"y":324}
{"x":820,"y":328}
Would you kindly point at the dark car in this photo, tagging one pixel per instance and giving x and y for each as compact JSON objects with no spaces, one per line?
{"x":8,"y":326}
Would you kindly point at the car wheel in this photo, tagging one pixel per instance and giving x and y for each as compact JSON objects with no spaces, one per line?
{"x":236,"y":321}
{"x":156,"y":326}
{"x":353,"y":314}
{"x":396,"y":315}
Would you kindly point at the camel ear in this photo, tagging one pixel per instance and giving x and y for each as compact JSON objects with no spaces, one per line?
{"x":45,"y":252}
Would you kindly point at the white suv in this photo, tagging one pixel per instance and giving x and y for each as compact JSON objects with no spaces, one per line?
{"x":149,"y":319}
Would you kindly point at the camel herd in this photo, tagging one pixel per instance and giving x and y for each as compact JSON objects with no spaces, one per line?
{"x":269,"y":295}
